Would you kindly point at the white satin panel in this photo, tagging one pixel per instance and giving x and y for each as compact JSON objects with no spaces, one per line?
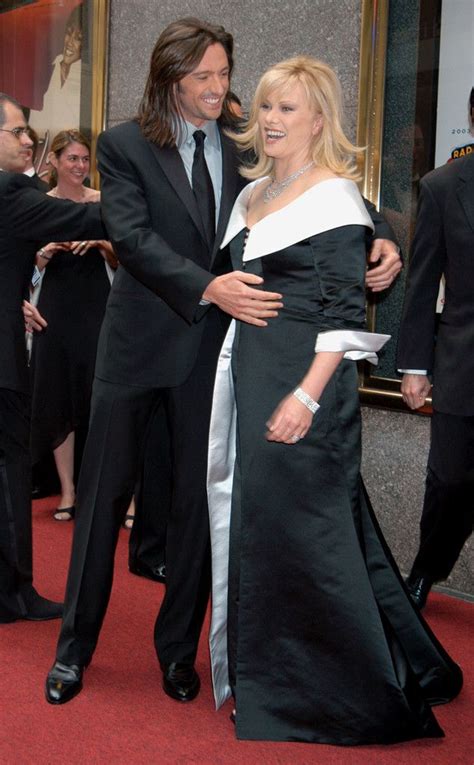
{"x":220,"y":474}
{"x":356,"y":344}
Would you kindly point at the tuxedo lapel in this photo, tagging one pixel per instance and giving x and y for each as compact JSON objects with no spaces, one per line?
{"x":172,"y":165}
{"x":465,"y":190}
{"x":229,"y":189}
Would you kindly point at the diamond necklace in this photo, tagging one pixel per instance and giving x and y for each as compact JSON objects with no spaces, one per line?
{"x":277,"y":187}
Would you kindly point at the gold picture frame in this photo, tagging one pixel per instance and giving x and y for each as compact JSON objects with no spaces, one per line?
{"x":379,"y":51}
{"x":53,"y":61}
{"x":100,"y":43}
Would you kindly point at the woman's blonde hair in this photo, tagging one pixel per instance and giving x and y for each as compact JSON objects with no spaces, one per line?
{"x":331,"y":148}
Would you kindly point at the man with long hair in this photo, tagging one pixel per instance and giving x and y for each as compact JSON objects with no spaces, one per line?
{"x":169,"y":181}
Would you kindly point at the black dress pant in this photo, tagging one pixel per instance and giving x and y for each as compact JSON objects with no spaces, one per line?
{"x":152,"y":496}
{"x":15,"y":504}
{"x":448,"y":509}
{"x":119,"y":418}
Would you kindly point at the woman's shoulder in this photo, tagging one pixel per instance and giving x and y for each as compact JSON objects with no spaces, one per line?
{"x":247,"y":196}
{"x":336,"y":201}
{"x":238,"y":216}
{"x":333,"y":189}
{"x":250,"y":187}
{"x":91,"y":195}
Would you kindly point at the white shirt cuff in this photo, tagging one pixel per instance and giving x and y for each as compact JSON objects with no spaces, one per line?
{"x":37,"y":275}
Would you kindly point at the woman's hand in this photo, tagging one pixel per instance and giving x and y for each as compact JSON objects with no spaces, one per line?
{"x":33,"y":319}
{"x":80,"y":248}
{"x":107,"y":252}
{"x":44,"y":254}
{"x":290,"y":421}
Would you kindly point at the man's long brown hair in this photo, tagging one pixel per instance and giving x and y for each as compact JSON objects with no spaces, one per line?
{"x":177,"y":52}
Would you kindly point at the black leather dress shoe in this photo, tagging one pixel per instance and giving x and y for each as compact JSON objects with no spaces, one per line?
{"x":40,"y":609}
{"x":180,"y":681}
{"x":155,"y":573}
{"x":64,"y":681}
{"x":419,"y":587}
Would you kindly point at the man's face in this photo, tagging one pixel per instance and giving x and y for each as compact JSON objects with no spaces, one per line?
{"x":201,"y":93}
{"x":14,"y":152}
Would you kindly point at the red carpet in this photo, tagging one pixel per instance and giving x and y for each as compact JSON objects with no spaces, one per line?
{"x":123,"y":717}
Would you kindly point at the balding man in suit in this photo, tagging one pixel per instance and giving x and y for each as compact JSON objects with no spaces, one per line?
{"x":27,"y":218}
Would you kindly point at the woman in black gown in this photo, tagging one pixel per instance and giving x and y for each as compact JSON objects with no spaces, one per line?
{"x":73,"y":294}
{"x":312,"y":629}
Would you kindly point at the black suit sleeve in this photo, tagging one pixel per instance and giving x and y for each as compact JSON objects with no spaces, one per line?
{"x":416,"y":341}
{"x":383,"y":230}
{"x":140,"y":249}
{"x":31,"y":215}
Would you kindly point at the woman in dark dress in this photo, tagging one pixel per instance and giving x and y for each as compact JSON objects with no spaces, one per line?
{"x":73,"y":294}
{"x":312,"y":629}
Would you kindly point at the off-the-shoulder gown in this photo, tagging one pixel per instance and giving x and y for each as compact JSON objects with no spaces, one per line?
{"x":312,"y":628}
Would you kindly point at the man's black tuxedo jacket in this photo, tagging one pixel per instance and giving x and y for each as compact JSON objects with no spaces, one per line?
{"x":153,"y":323}
{"x":443,"y":243}
{"x":29,"y":218}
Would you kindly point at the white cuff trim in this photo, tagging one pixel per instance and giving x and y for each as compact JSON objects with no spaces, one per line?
{"x":357,"y":345}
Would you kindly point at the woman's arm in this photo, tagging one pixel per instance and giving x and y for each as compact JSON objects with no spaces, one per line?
{"x":105,"y":248}
{"x":292,"y":419}
{"x":339,"y":266}
{"x":45,"y":253}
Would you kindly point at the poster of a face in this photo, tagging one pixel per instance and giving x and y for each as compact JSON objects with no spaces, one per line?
{"x":42,"y":45}
{"x":454,"y":126}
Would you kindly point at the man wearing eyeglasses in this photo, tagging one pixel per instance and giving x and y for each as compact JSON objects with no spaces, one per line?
{"x":28,"y":218}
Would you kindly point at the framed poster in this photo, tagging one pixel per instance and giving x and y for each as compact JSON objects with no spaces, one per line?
{"x":53,"y":61}
{"x":415,"y":113}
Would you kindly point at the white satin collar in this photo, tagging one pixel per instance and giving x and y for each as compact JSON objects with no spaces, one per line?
{"x":326,"y":205}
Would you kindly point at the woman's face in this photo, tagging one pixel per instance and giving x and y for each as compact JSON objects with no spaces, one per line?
{"x":72,"y":165}
{"x":72,"y":45}
{"x":288,"y":123}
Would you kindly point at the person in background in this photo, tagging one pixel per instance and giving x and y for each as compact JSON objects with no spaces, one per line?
{"x":443,"y":245}
{"x":27,"y":217}
{"x":235,"y":105}
{"x":30,"y":169}
{"x":74,"y":291}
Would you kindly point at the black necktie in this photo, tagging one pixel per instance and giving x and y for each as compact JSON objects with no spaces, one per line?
{"x":202,"y":187}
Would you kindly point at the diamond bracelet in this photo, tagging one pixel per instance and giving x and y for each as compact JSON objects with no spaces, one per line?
{"x":309,"y":402}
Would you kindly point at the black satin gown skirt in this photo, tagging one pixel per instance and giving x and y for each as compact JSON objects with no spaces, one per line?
{"x":324,"y":642}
